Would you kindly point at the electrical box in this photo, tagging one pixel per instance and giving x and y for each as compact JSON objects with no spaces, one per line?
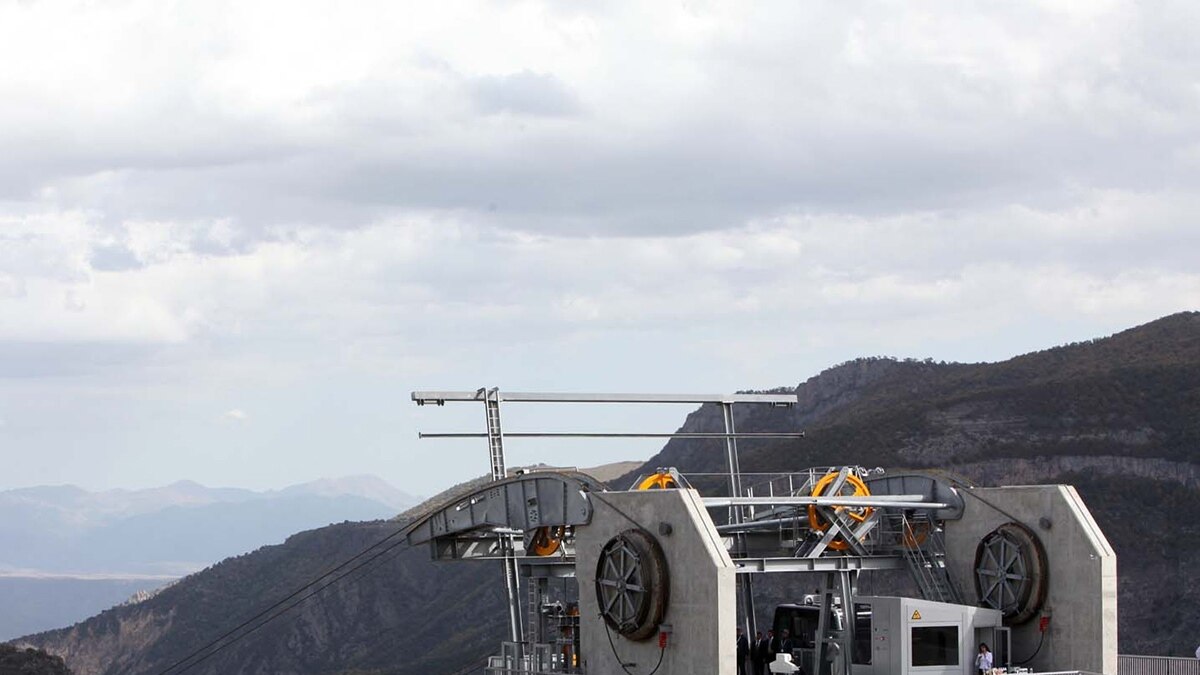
{"x":920,"y":637}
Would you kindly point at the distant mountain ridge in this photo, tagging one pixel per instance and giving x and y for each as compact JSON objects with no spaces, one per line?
{"x":80,"y":506}
{"x":66,"y":553}
{"x":1116,"y":417}
{"x":365,"y":486}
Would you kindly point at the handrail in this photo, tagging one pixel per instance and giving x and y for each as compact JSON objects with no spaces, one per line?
{"x":1134,"y":664}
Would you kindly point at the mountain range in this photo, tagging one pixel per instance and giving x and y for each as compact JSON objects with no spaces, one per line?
{"x":67,"y":553}
{"x":1116,"y":417}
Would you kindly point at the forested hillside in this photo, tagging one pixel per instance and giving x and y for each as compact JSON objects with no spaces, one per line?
{"x":400,"y":613}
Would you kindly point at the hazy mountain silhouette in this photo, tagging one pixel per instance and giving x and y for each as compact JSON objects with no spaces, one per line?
{"x":67,"y":553}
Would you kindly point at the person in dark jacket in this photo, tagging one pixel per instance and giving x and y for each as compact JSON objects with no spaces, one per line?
{"x":758,"y":653}
{"x":773,"y":645}
{"x":743,"y":651}
{"x":785,"y":642}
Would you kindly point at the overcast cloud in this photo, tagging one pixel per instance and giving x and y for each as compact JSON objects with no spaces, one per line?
{"x":234,"y":236}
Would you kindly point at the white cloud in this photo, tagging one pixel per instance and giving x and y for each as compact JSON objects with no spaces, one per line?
{"x":625,"y":119}
{"x":422,"y":278}
{"x":236,"y":415}
{"x":311,"y":206}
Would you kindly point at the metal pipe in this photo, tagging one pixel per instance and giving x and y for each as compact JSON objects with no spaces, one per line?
{"x":882,"y":501}
{"x":765,"y":524}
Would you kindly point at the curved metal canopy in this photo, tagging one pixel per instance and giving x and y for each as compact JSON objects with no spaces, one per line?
{"x":520,"y":503}
{"x":929,"y":486}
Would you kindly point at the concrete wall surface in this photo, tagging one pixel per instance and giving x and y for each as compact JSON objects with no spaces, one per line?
{"x":1081,"y":600}
{"x":702,"y":604}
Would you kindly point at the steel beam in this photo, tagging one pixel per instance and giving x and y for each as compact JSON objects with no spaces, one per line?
{"x":769,"y":524}
{"x":556,"y":568}
{"x":442,"y":397}
{"x":601,"y":434}
{"x":821,"y":564}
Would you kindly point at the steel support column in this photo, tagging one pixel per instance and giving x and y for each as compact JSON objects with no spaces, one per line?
{"x":745,"y":582}
{"x":833,"y":643}
{"x":512,"y":581}
{"x":849,"y":583}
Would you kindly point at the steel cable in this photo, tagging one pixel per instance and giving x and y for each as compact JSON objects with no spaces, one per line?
{"x":217,"y":642}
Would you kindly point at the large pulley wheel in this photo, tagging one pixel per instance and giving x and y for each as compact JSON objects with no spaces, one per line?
{"x":632,"y":584}
{"x":852,"y":487}
{"x":662,"y":480}
{"x":1011,"y":573}
{"x":546,"y":540}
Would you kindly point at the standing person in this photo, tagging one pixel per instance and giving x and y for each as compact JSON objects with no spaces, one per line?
{"x":758,"y":655}
{"x":772,"y":646}
{"x":1198,"y":652}
{"x":743,"y":650}
{"x":983,"y":660}
{"x":785,"y":643}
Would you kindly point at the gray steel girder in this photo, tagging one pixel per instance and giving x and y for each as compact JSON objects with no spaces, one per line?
{"x":831,"y":563}
{"x":521,"y":503}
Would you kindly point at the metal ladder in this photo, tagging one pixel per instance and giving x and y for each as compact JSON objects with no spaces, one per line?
{"x":926,"y":559}
{"x":495,"y":436}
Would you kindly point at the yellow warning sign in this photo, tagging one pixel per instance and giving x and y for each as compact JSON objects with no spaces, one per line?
{"x":916,"y":615}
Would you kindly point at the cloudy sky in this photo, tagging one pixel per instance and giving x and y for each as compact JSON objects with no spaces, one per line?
{"x":235,"y":235}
